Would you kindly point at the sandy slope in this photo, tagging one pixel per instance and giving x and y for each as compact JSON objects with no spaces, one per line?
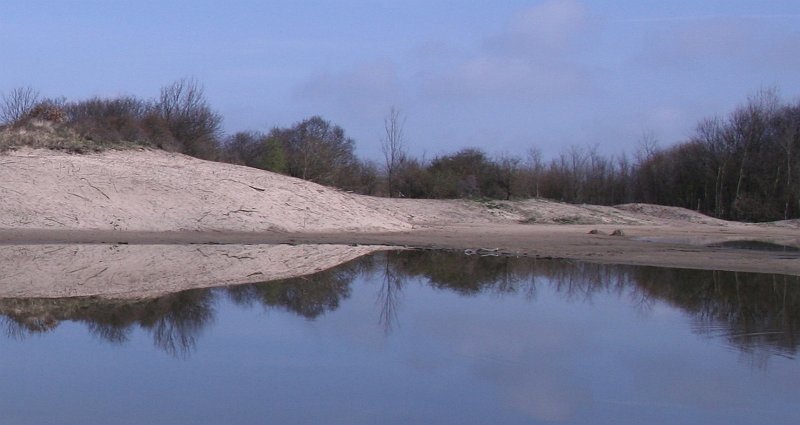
{"x":156,"y":190}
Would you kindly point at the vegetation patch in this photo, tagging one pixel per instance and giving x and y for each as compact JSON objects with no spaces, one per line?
{"x":493,"y":204}
{"x":40,"y":134}
{"x":178,"y":120}
{"x":569,"y":219}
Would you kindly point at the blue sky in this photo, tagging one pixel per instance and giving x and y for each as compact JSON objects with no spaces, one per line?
{"x":500,"y":75}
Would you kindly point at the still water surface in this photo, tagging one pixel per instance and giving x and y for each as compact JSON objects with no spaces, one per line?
{"x":417,"y":337}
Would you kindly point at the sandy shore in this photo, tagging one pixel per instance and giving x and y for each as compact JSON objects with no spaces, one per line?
{"x":151,"y":222}
{"x":668,"y":246}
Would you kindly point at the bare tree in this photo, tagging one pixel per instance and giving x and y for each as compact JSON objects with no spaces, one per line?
{"x":389,"y":295}
{"x":750,"y":125}
{"x":182,"y":105}
{"x":17,"y":104}
{"x":181,"y":98}
{"x":788,"y":136}
{"x":646,"y":147}
{"x":393,"y":146}
{"x":536,"y":168}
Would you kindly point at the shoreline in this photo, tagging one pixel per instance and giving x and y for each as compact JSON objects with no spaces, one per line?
{"x":659,"y":246}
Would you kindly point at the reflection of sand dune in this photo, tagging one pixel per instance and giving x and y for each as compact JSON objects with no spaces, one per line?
{"x":143,"y":271}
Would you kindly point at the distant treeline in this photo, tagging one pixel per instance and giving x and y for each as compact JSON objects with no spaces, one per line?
{"x":743,"y":166}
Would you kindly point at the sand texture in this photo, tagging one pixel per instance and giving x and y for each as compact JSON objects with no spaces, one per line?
{"x":159,"y":191}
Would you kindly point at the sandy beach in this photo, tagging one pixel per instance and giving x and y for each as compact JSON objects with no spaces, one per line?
{"x":161,"y":212}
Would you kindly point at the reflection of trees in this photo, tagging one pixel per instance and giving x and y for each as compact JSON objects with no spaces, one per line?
{"x":751,"y":311}
{"x":758,"y":314}
{"x":308,"y":296}
{"x":174,"y":320}
{"x":303,"y":296}
{"x":476,"y":274}
{"x":391,"y":287}
{"x":460,"y":273}
{"x":184,"y":318}
{"x":20,"y":325}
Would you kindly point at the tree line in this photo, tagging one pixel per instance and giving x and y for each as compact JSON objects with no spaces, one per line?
{"x":743,"y":166}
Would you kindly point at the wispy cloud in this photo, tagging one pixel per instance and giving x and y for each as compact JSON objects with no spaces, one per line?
{"x":690,"y":18}
{"x":552,"y":26}
{"x":715,"y":41}
{"x":533,"y":56}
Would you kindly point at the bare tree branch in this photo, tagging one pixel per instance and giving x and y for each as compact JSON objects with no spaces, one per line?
{"x":17,"y":104}
{"x":393,"y":146}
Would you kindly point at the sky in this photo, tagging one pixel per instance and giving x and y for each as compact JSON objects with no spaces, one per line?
{"x":503,"y":76}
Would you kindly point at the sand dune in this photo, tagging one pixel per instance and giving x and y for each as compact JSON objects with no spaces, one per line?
{"x":158,"y":191}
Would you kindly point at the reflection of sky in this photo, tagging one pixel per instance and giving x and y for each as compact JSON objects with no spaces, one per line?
{"x":450,"y":359}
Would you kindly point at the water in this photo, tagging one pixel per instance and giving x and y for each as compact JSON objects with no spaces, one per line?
{"x":417,"y":337}
{"x":756,"y":246}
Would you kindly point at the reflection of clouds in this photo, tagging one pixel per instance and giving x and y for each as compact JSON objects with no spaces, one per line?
{"x":583,"y":348}
{"x":527,"y":357}
{"x":675,"y":376}
{"x":543,"y":387}
{"x":543,"y":403}
{"x":586,"y":350}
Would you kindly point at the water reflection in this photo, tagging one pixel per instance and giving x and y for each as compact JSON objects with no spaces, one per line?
{"x":391,"y":287}
{"x":174,"y":321}
{"x":757,"y":314}
{"x":307,"y":296}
